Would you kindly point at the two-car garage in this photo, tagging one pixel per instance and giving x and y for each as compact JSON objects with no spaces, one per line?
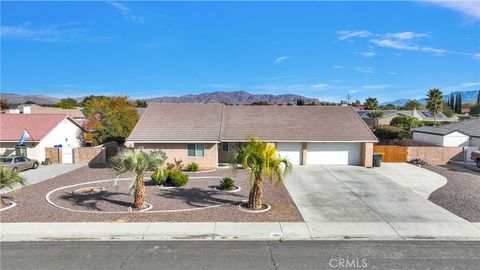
{"x":317,"y":153}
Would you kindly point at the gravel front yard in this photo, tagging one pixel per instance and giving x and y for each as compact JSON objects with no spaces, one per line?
{"x":202,"y":202}
{"x":461,"y":194}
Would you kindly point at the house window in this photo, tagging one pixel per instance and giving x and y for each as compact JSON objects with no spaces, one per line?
{"x":196,"y":149}
{"x":225,"y":147}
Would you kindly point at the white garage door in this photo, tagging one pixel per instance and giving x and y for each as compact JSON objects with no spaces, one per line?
{"x":333,"y":153}
{"x":290,"y":151}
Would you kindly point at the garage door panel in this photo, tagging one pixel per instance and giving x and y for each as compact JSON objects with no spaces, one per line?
{"x":290,"y":151}
{"x":333,"y":153}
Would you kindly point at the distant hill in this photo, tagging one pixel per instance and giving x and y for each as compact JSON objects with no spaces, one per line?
{"x":39,"y":99}
{"x":467,"y":96}
{"x":239,"y":97}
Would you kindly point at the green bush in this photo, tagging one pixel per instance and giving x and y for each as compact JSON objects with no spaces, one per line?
{"x":176,"y":178}
{"x":192,"y":167}
{"x":160,"y":176}
{"x":385,"y":133}
{"x":435,"y":124}
{"x":226,"y":183}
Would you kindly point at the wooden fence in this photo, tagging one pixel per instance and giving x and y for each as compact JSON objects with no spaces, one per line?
{"x":392,"y":153}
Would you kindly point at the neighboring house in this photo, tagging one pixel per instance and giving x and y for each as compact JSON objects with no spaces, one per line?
{"x":76,"y":113}
{"x":46,"y":130}
{"x":462,"y":133}
{"x":388,"y":115}
{"x":209,"y":133}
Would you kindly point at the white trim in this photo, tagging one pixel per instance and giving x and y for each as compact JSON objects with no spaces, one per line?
{"x":179,"y":142}
{"x":272,"y":141}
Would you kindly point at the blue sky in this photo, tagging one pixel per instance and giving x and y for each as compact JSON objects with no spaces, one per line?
{"x":327,"y":50}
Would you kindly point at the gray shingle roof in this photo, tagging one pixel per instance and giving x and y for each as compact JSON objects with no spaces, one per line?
{"x":469,"y":127}
{"x":216,"y":122}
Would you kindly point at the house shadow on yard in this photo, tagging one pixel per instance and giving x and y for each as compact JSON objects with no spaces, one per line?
{"x":91,"y":201}
{"x":198,"y":197}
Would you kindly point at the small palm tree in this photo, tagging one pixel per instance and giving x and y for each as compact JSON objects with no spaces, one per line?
{"x":137,"y":163}
{"x":262,"y":160}
{"x":375,"y":116}
{"x":434,"y":102}
{"x":8,"y":179}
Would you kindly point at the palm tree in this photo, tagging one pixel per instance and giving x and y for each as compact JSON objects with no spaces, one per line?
{"x":434,"y":102}
{"x":375,"y":116}
{"x":371,"y":103}
{"x":138,"y":163}
{"x":413,"y":104}
{"x":8,"y":179}
{"x":262,"y":160}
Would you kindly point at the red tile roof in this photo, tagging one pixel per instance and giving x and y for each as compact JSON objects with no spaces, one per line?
{"x":37,"y":125}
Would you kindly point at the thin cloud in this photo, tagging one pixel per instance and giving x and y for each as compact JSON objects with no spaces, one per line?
{"x":319,"y":86}
{"x":377,"y":86}
{"x":126,"y":12}
{"x":469,"y":8}
{"x":345,"y":35}
{"x":51,"y":33}
{"x":337,"y":67}
{"x":368,"y":70}
{"x":406,"y":35}
{"x":368,"y":54}
{"x":281,"y":59}
{"x":470,"y":84}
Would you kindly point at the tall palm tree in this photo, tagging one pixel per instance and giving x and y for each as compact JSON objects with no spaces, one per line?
{"x":371,"y":103}
{"x":8,"y":179}
{"x":434,"y":102}
{"x":138,"y":163}
{"x":262,"y":160}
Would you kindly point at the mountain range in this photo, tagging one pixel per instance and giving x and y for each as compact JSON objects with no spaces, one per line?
{"x":239,"y":97}
{"x":467,"y":97}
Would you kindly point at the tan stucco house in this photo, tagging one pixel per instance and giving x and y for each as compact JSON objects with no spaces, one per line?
{"x":209,"y":133}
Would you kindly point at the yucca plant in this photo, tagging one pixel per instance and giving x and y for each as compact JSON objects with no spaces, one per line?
{"x":8,"y":179}
{"x":137,"y":163}
{"x":226,"y":183}
{"x":263,"y":160}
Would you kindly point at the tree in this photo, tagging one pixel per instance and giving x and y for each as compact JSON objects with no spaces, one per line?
{"x":110,"y":118}
{"x":300,"y":102}
{"x":67,"y":103}
{"x":478,"y":97}
{"x":4,"y":104}
{"x":388,"y":107}
{"x":356,"y":103}
{"x":375,"y":116}
{"x":262,"y":159}
{"x":137,"y":163}
{"x":140,"y":103}
{"x":8,"y":179}
{"x":451,"y":101}
{"x":475,"y":109}
{"x":434,"y":102}
{"x":458,"y":103}
{"x":413,"y":104}
{"x":29,"y":102}
{"x":406,"y":122}
{"x":371,"y":103}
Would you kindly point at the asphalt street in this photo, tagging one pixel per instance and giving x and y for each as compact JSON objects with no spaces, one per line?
{"x":242,"y":255}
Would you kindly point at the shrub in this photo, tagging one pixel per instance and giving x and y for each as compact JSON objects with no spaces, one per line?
{"x":177,"y":165}
{"x":226,"y":183}
{"x":177,"y":178}
{"x":192,"y":167}
{"x":160,"y":176}
{"x":406,"y":122}
{"x":385,"y":133}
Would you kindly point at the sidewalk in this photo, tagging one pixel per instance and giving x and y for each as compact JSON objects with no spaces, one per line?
{"x":163,"y":231}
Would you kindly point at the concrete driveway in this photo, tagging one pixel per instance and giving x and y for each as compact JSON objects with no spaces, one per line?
{"x":355,"y":202}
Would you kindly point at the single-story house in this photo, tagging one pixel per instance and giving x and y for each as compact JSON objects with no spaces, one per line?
{"x":75,"y":113}
{"x":208,"y":134}
{"x":388,"y":115}
{"x":45,"y":130}
{"x":462,"y":133}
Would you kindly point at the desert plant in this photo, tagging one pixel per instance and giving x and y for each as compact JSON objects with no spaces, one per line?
{"x":137,"y":163}
{"x":176,"y":178}
{"x":192,"y":167}
{"x":375,"y":116}
{"x":226,"y":183}
{"x":263,"y":160}
{"x":177,"y":165}
{"x":159,"y":176}
{"x":371,"y":103}
{"x":8,"y":178}
{"x":406,"y":122}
